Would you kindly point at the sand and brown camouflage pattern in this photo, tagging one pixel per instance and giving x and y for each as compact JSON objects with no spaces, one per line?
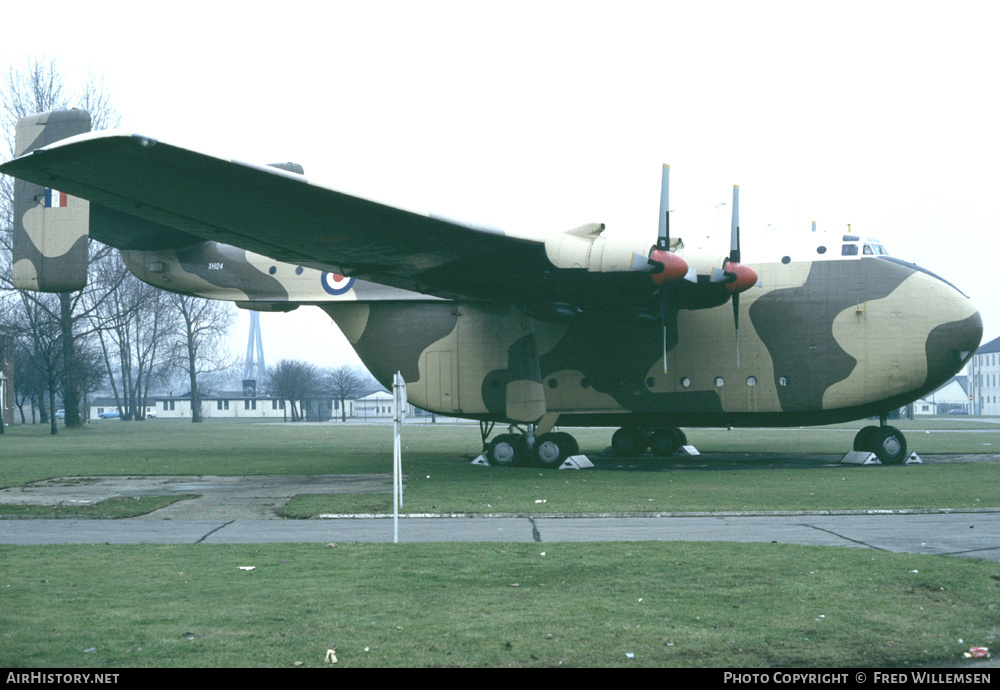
{"x":50,"y":252}
{"x":542,"y":332}
{"x":827,"y":341}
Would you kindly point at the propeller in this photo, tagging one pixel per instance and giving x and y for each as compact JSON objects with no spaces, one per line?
{"x":663,"y":237}
{"x":663,"y":246}
{"x":737,"y":276}
{"x":734,"y":258}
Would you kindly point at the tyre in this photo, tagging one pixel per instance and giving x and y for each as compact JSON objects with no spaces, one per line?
{"x":865,"y":440}
{"x":889,"y":445}
{"x":572,"y":447}
{"x":628,"y":442}
{"x":506,"y":450}
{"x":666,"y":442}
{"x":551,"y":449}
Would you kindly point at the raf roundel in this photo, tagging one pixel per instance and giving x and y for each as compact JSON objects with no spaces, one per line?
{"x":336,"y":284}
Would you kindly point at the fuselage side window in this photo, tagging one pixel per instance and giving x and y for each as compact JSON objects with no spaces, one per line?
{"x":849,"y":250}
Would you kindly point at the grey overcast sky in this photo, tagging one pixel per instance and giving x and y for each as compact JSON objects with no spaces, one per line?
{"x":544,"y":115}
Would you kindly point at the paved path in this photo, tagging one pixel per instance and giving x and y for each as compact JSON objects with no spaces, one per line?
{"x":970,"y":535}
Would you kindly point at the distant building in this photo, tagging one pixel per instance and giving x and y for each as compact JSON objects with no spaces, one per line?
{"x":101,"y":405}
{"x":984,"y":379}
{"x":379,"y":404}
{"x":232,"y":404}
{"x":951,"y":398}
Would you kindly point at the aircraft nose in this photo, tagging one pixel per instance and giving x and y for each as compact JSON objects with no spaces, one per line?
{"x":951,"y":344}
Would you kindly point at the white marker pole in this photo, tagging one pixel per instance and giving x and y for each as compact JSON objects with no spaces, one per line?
{"x":399,"y":412}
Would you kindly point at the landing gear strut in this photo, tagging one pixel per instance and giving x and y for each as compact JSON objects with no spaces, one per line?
{"x":887,"y":442}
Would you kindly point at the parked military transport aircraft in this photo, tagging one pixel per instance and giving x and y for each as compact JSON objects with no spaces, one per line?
{"x":575,"y":328}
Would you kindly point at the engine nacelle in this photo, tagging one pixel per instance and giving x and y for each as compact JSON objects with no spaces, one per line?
{"x":587,"y":248}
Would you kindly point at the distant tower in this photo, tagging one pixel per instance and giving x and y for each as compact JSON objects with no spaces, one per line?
{"x":254,"y":369}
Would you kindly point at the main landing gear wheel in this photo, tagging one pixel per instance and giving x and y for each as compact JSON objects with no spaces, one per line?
{"x":629,"y":442}
{"x":508,"y":450}
{"x":552,"y":448}
{"x":887,"y":442}
{"x":667,"y":441}
{"x":633,"y":441}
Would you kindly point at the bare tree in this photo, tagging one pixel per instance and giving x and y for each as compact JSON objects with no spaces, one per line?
{"x":344,"y":383}
{"x":135,"y":327}
{"x":203,"y":326}
{"x":44,"y":345}
{"x":293,"y":381}
{"x":40,"y":87}
{"x":29,"y":386}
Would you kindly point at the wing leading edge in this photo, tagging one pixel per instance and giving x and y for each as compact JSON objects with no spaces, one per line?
{"x":285,"y":216}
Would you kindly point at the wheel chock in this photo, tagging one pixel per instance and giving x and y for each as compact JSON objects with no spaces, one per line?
{"x":481,"y":460}
{"x":861,"y":457}
{"x":688,"y":450}
{"x":576,"y":462}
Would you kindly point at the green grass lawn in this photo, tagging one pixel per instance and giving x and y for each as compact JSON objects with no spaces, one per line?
{"x":495,"y":605}
{"x":440,"y":477}
{"x":491,"y":605}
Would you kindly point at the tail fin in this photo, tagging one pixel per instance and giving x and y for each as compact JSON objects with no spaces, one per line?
{"x":50,"y":228}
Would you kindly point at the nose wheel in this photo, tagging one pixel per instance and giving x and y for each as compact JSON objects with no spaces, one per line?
{"x":886,"y":442}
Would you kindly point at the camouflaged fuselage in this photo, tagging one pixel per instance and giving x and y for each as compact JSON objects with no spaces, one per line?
{"x":824,"y":341}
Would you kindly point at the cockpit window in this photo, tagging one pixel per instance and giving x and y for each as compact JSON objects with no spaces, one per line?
{"x":849,"y":250}
{"x":851,"y":238}
{"x":873,"y":246}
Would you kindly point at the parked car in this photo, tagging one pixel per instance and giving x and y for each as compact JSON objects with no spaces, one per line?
{"x":110,"y":414}
{"x":60,"y":414}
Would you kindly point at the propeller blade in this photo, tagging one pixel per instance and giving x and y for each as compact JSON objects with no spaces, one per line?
{"x":671,"y":264}
{"x":736,"y":321}
{"x":734,"y":236}
{"x":663,"y":315}
{"x":663,"y":236}
{"x":734,"y":257}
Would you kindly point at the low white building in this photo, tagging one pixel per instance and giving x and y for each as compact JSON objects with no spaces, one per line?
{"x":237,"y":405}
{"x":100,"y":407}
{"x":948,"y":399}
{"x":379,"y":405}
{"x":229,"y":404}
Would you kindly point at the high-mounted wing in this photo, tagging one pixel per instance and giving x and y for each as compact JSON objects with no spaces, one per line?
{"x":284,"y":216}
